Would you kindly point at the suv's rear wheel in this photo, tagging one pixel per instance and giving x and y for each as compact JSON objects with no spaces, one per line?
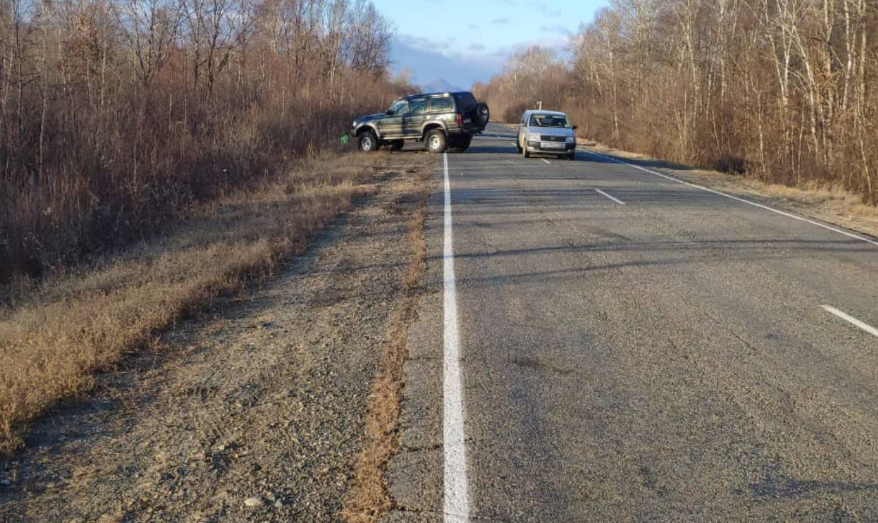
{"x":436,"y":141}
{"x":460,"y":143}
{"x":368,"y":142}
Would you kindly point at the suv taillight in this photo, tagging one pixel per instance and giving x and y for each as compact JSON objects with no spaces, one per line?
{"x":460,"y":120}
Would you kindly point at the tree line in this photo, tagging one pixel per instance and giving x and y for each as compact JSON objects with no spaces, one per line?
{"x":784,"y":90}
{"x":116,"y":114}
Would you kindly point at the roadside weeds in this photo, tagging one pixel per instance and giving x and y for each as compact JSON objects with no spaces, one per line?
{"x":54,"y":339}
{"x":368,"y":498}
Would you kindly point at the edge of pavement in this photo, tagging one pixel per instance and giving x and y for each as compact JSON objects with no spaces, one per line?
{"x":414,"y":474}
{"x":265,"y":395}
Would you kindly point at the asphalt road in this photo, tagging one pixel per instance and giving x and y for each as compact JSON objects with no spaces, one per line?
{"x":669,"y":359}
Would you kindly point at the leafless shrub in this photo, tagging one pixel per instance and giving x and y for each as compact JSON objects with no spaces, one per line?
{"x":116,"y":115}
{"x":56,"y":333}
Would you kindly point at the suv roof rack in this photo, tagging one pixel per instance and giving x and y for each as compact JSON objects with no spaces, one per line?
{"x":444,"y":93}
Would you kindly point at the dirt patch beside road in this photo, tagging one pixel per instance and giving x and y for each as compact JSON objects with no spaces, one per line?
{"x":256,"y":413}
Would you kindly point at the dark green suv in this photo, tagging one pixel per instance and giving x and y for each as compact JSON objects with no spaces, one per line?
{"x":440,"y":120}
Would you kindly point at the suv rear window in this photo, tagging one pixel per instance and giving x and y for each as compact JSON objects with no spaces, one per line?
{"x":466,"y":102}
{"x":441,"y":105}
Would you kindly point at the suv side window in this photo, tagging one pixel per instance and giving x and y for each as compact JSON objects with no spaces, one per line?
{"x":441,"y":105}
{"x":419,"y":105}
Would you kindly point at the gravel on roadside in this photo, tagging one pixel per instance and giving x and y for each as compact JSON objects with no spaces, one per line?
{"x":253,"y":413}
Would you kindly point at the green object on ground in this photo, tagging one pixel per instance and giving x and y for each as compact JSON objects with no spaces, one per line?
{"x":344,"y":139}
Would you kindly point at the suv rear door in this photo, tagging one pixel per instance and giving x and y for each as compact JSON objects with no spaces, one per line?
{"x":442,"y":108}
{"x":417,"y":117}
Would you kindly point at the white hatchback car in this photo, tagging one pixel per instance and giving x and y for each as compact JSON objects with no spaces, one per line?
{"x":546,"y":132}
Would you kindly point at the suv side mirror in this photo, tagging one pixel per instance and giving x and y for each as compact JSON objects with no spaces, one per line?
{"x":575,"y":127}
{"x":389,"y":112}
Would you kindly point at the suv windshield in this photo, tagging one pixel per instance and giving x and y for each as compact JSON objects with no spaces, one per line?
{"x":548,"y":120}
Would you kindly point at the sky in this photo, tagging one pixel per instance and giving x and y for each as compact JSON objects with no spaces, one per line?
{"x":465,"y":41}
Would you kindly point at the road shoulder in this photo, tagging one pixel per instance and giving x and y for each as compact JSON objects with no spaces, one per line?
{"x":415,"y":473}
{"x":255,"y":413}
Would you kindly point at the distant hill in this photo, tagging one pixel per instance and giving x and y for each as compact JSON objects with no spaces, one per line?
{"x":440,"y":86}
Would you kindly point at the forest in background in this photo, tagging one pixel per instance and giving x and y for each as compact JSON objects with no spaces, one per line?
{"x":782,"y":90}
{"x":118,"y":114}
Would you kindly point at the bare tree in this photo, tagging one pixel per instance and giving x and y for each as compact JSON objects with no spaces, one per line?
{"x":780,"y":89}
{"x":150,"y":29}
{"x":215,"y":28}
{"x":116,"y":114}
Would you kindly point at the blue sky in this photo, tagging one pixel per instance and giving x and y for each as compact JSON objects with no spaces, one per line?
{"x":464,"y":41}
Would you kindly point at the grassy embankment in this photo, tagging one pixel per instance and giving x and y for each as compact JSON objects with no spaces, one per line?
{"x":56,"y":335}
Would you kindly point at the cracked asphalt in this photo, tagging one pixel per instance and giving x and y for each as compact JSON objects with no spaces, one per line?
{"x":668,"y":359}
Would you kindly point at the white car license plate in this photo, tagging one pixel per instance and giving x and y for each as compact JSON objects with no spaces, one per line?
{"x":551,"y":145}
{"x":468,"y":120}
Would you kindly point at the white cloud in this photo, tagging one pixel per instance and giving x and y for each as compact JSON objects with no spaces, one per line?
{"x":430,"y":60}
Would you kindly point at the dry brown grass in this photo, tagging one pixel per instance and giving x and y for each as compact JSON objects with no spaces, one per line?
{"x":368,"y":499}
{"x":56,"y":335}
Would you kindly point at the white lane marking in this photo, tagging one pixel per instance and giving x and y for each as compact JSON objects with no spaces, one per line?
{"x":456,"y":489}
{"x":617,"y":200}
{"x":742,"y":200}
{"x":510,"y":162}
{"x":850,"y":319}
{"x":546,"y":161}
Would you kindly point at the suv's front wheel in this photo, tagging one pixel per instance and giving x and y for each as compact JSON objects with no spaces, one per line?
{"x":436,"y":141}
{"x":368,"y":142}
